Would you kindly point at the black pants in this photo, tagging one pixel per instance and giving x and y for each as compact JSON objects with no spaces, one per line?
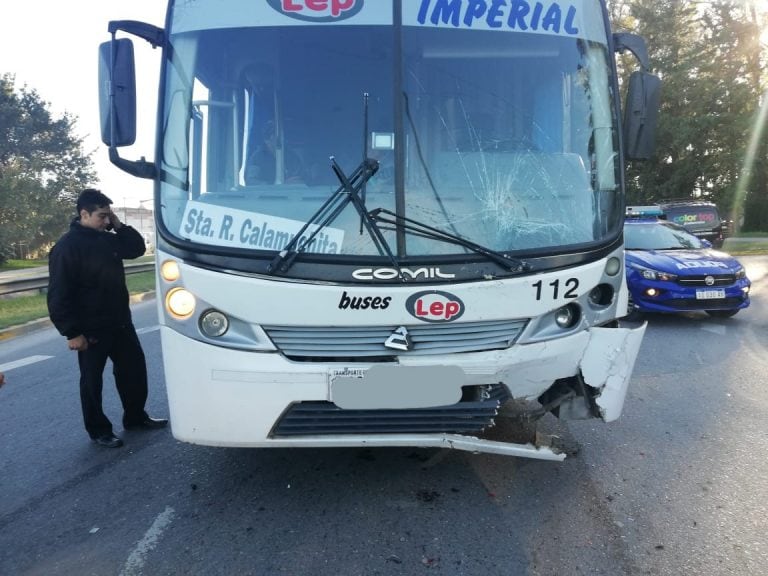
{"x":122,"y":346}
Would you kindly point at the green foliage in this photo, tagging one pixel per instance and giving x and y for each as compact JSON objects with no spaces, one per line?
{"x":12,"y":264}
{"x":42,"y":168}
{"x":712,"y":65}
{"x":22,"y":309}
{"x":141,"y":282}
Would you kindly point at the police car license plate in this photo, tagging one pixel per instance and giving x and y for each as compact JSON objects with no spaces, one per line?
{"x":709,"y":294}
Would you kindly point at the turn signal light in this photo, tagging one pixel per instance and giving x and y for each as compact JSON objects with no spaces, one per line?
{"x":169,"y":271}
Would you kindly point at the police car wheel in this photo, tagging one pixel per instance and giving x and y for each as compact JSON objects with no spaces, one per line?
{"x":722,"y":313}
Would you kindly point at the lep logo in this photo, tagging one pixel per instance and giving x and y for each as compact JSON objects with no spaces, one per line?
{"x":434,"y":306}
{"x":318,"y":10}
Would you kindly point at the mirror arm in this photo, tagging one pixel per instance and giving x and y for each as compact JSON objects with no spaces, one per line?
{"x":148,"y":32}
{"x":140,"y":168}
{"x":636,"y":44}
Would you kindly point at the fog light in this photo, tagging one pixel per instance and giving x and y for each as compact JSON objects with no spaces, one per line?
{"x":213,"y":323}
{"x":651,"y":292}
{"x":180,"y":302}
{"x":567,"y":316}
{"x":169,"y":271}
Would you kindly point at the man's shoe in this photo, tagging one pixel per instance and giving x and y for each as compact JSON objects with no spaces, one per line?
{"x":108,"y":441}
{"x":147,"y":424}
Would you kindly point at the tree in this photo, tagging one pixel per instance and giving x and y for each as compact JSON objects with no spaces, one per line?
{"x":751,"y":194}
{"x":42,"y":167}
{"x":677,"y":55}
{"x":712,"y":66}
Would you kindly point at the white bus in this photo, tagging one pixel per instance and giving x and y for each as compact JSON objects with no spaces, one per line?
{"x":379,"y":222}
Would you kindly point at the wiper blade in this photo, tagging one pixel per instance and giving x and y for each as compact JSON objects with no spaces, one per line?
{"x":348,"y":192}
{"x":384,"y":216}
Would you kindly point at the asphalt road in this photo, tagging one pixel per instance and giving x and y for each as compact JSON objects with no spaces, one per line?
{"x":677,"y":486}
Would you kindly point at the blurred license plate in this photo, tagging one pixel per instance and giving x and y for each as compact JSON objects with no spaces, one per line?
{"x":399,"y":387}
{"x":709,"y":294}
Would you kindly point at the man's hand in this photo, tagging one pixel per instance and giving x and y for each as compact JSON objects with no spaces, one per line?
{"x":79,"y":343}
{"x":114,"y":220}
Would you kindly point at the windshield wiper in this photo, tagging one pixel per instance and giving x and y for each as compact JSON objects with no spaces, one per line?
{"x":384,"y":216}
{"x":348,"y":192}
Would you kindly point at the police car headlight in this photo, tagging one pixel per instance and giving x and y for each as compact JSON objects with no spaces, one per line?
{"x":741,"y":273}
{"x":654,"y":275}
{"x":666,"y":277}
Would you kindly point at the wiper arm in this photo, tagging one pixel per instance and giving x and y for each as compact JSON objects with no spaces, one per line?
{"x":384,"y":216}
{"x":347,"y":192}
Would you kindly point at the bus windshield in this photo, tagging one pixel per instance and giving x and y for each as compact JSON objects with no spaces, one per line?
{"x":499,"y":135}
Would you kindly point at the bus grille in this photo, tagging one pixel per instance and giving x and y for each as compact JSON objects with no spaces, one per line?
{"x":325,"y":418}
{"x":368,"y":341}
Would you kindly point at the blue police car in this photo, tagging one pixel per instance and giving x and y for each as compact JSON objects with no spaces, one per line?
{"x":671,"y":270}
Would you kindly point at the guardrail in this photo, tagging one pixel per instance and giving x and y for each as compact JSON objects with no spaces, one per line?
{"x":40,"y":281}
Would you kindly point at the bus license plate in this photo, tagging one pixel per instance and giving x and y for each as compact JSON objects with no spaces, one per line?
{"x":710,"y":294}
{"x":399,"y":387}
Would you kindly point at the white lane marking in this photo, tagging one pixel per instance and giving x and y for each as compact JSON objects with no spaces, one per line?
{"x":135,"y":563}
{"x":148,"y":329}
{"x":715,"y":328}
{"x":23,"y":362}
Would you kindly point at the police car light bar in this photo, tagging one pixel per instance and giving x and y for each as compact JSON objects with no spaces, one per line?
{"x":645,"y":212}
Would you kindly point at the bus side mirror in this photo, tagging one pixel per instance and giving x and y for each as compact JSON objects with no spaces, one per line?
{"x":641,"y":114}
{"x":117,"y":93}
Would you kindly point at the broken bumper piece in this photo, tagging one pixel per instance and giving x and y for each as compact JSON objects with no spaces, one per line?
{"x":454,"y":441}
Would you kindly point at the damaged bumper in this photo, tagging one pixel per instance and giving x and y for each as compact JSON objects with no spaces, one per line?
{"x":258,"y":397}
{"x":607,"y":366}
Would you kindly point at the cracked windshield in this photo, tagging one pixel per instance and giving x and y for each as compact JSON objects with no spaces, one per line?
{"x":502,"y":138}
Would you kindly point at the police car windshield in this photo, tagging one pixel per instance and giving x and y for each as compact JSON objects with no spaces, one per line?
{"x":659,"y":236}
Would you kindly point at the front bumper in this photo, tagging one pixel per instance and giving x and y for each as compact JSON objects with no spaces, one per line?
{"x":225,"y":397}
{"x":672,"y":298}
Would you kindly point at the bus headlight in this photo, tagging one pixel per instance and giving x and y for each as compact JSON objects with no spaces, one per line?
{"x":213,"y":323}
{"x":567,"y":316}
{"x":180,"y":303}
{"x":169,"y":271}
{"x":613,"y":266}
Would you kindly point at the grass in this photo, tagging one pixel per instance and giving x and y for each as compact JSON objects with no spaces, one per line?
{"x":21,"y":264}
{"x":22,"y":309}
{"x":746,"y":246}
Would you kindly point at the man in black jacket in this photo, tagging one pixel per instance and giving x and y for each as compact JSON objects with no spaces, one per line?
{"x":89,"y":305}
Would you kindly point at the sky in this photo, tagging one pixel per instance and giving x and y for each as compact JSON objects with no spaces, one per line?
{"x":51,"y":46}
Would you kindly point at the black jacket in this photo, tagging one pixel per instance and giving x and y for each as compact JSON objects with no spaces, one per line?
{"x":86,"y":286}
